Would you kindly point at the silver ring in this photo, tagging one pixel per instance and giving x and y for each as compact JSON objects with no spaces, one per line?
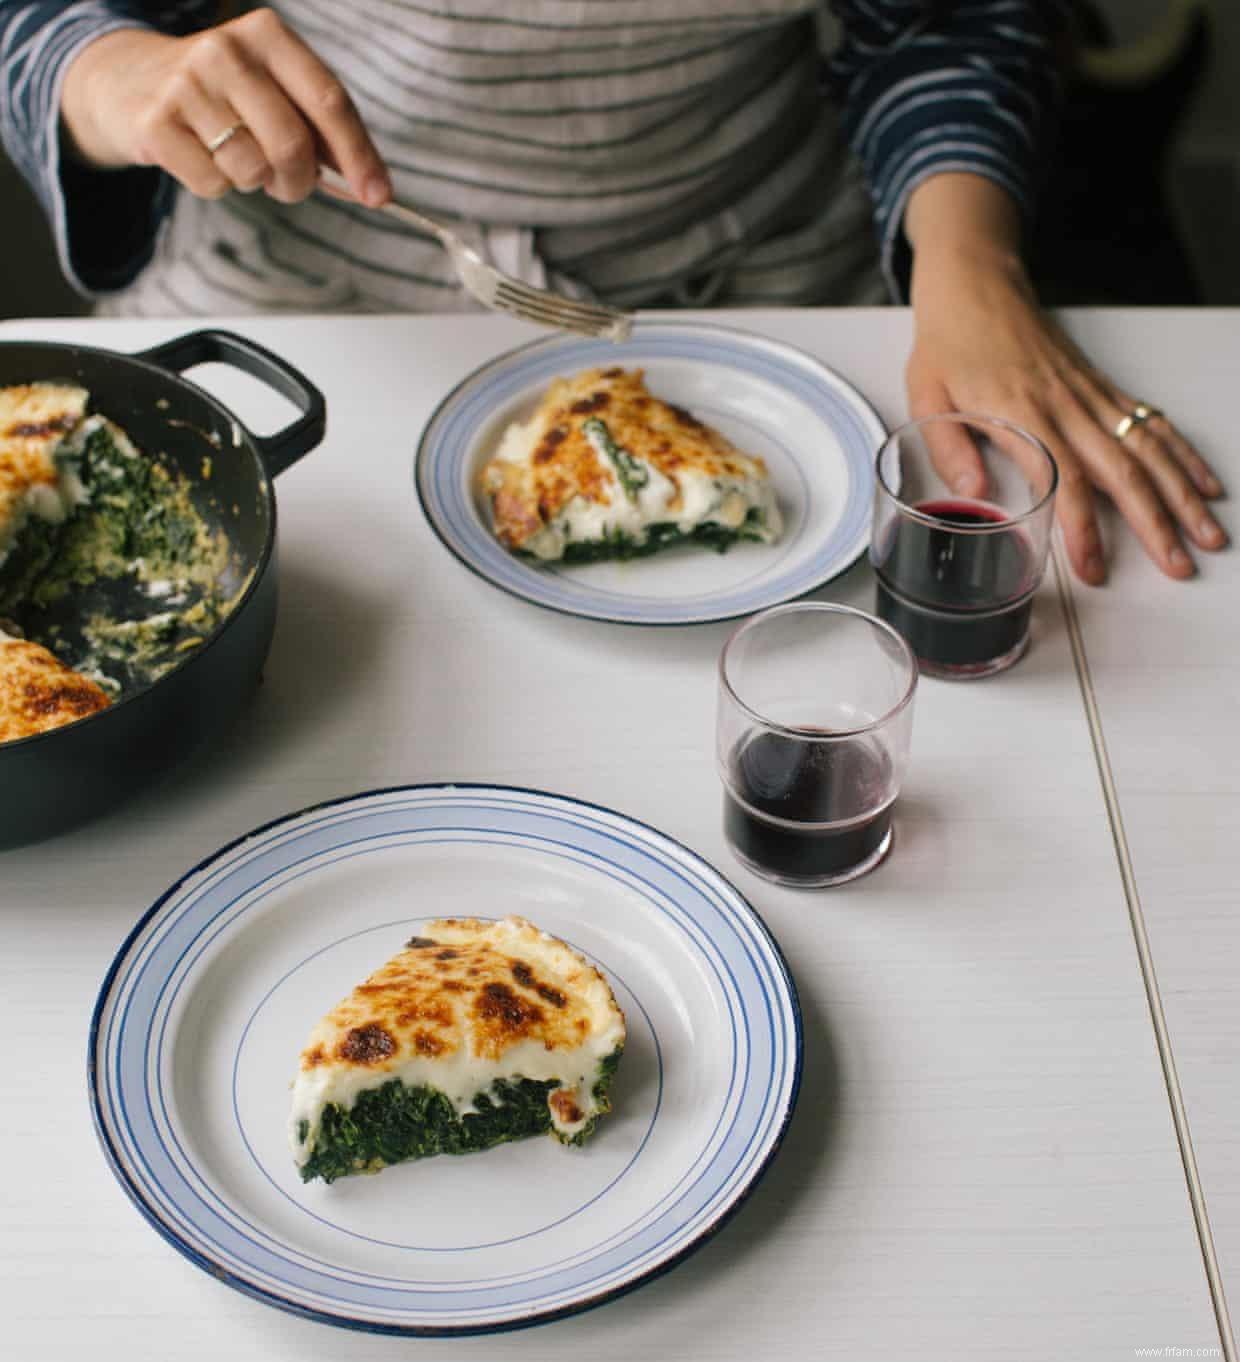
{"x":223,"y":138}
{"x":1138,"y":416}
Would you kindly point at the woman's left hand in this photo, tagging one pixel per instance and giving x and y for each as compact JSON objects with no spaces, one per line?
{"x":982,"y":344}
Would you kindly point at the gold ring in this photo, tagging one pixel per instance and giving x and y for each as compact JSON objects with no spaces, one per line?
{"x":223,"y":138}
{"x":1138,"y":416}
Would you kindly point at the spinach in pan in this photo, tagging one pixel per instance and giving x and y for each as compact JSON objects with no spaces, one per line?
{"x":131,"y":581}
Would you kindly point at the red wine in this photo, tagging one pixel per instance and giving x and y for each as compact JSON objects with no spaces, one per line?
{"x":947,"y":593}
{"x":809,"y":784}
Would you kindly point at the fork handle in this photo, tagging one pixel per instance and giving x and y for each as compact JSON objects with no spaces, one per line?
{"x":332,"y":183}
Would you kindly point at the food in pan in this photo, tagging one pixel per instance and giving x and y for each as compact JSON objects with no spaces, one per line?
{"x":476,"y":1033}
{"x":104,"y":560}
{"x":38,"y":692}
{"x":604,"y":469}
{"x":36,"y":480}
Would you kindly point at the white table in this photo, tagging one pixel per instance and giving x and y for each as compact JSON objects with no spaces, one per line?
{"x":983,"y":1161}
{"x":1164,"y":670}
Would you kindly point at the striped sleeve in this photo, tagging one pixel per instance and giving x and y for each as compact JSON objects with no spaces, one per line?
{"x":928,"y":86}
{"x":103,"y":222}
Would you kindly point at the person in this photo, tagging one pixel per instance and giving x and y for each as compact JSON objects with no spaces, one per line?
{"x":648,"y":154}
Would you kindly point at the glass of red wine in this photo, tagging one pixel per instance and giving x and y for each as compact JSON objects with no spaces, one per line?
{"x":812,"y":736}
{"x":957,"y":573}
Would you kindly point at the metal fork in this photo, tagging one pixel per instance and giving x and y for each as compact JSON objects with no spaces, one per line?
{"x":495,"y":289}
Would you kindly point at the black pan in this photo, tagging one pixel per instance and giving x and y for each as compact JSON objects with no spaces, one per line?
{"x":54,"y":780}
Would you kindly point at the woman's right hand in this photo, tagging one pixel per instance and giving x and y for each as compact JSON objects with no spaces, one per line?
{"x":138,"y":98}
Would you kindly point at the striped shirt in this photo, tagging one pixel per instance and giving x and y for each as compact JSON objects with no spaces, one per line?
{"x":651,"y":153}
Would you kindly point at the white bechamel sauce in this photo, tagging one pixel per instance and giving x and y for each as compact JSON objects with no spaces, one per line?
{"x":73,"y":445}
{"x":704,"y":499}
{"x":47,"y":503}
{"x":155,"y":621}
{"x":460,"y":1076}
{"x":518,"y":442}
{"x":73,"y":489}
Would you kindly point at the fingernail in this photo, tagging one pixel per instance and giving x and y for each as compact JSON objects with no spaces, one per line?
{"x":964,"y":484}
{"x":1179,"y":559}
{"x":1211,"y":532}
{"x":376,"y":190}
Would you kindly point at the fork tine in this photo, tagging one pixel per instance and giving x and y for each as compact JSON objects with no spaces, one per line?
{"x":544,"y":316}
{"x":614,"y":329}
{"x":552,"y":304}
{"x":524,"y":293}
{"x":518,"y":290}
{"x":551,"y":307}
{"x":551,"y":318}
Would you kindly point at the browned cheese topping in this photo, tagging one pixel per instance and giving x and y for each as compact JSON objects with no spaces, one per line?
{"x":527,"y":494}
{"x":447,"y":989}
{"x":38,"y":692}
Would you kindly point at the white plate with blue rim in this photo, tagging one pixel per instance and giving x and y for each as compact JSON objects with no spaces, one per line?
{"x":200,"y":1020}
{"x":816,"y":432}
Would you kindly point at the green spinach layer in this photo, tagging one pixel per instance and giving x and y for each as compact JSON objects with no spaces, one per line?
{"x":623,"y":546}
{"x":392,"y":1123}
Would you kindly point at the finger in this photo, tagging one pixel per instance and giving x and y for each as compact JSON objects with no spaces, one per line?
{"x":243,"y":161}
{"x":326,"y":104}
{"x":1204,"y":479}
{"x":1203,"y":476}
{"x":164,"y":140}
{"x":1175,"y":487}
{"x":283,"y":137}
{"x":278,"y":144}
{"x":241,"y":158}
{"x":1148,"y":443}
{"x":956,"y":458}
{"x":1129,"y":486}
{"x":1075,"y":503}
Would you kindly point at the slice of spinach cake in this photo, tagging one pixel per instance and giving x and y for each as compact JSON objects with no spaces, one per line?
{"x":476,"y":1033}
{"x":604,"y":469}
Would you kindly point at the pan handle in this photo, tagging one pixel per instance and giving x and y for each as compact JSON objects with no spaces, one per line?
{"x":226,"y":347}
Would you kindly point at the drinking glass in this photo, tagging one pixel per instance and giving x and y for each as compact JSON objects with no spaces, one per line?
{"x":957,"y":574}
{"x":812,"y":736}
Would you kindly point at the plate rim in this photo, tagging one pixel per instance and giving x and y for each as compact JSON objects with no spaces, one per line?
{"x":645,"y":325}
{"x":226,"y":1275}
